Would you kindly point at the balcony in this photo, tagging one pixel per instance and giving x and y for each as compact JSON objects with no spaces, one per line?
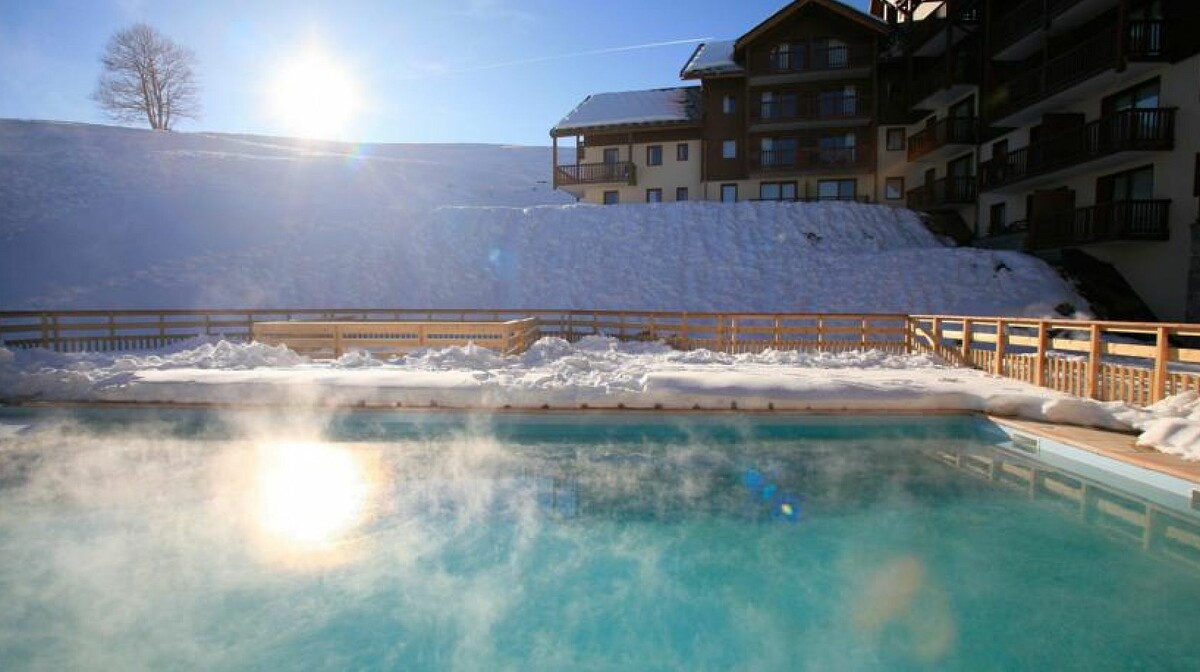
{"x":1019,"y":31}
{"x":948,"y":192}
{"x":840,"y":160}
{"x":1144,"y":130}
{"x":928,"y":37}
{"x":1075,"y":74}
{"x":811,"y":110}
{"x":946,"y":133}
{"x":1139,"y":220}
{"x":811,"y":61}
{"x":946,"y":80}
{"x":621,"y":172}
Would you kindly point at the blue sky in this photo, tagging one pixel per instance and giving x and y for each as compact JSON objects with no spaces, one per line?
{"x":494,"y":71}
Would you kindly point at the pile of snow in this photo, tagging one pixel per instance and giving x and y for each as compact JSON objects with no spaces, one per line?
{"x":599,"y":372}
{"x":100,"y":217}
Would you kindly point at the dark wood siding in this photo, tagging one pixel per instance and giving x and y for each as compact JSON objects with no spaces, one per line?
{"x":719,"y":127}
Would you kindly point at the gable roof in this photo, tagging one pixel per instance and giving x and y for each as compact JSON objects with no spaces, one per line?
{"x":866,"y":20}
{"x":656,"y":107}
{"x":711,"y":59}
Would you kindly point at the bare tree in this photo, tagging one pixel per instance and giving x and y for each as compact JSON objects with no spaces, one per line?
{"x":147,"y":76}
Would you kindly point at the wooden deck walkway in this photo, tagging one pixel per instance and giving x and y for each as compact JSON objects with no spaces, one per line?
{"x":1115,"y":445}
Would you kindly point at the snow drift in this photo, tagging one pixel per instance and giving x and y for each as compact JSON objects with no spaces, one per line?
{"x":100,"y":217}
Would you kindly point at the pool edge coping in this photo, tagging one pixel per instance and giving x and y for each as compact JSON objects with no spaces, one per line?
{"x":1116,"y":445}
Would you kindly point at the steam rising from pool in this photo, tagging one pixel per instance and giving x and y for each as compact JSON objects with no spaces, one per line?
{"x":271,"y":540}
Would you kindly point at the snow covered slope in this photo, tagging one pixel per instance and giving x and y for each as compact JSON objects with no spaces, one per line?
{"x":94,"y":217}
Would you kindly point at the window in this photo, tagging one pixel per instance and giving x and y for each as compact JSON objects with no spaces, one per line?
{"x":831,"y":54}
{"x":612,"y":197}
{"x":729,"y":149}
{"x":777,"y":151}
{"x":728,"y":193}
{"x":781,"y":57}
{"x":997,"y":216}
{"x":1131,"y":185}
{"x":895,"y":139}
{"x":681,"y":152}
{"x":837,"y":190}
{"x":777,"y":191}
{"x":835,"y":103}
{"x":681,"y":193}
{"x":610,"y":155}
{"x":654,"y":195}
{"x":728,"y":104}
{"x":838,"y":150}
{"x":893,"y":188}
{"x":1141,"y":97}
{"x":654,"y":155}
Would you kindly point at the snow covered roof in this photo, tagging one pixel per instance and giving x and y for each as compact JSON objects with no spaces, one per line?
{"x":632,"y":108}
{"x":710,"y":59}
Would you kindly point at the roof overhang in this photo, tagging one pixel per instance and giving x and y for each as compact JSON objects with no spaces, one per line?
{"x":568,"y":131}
{"x":865,"y":20}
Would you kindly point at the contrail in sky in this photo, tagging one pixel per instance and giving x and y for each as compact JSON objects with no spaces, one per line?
{"x":557,"y":57}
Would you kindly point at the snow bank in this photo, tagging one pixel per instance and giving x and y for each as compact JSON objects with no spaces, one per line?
{"x":134,"y":219}
{"x":597,"y":371}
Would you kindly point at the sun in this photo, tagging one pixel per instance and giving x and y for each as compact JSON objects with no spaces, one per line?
{"x":312,"y":95}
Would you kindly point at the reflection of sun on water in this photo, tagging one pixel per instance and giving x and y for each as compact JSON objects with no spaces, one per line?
{"x":310,"y":495}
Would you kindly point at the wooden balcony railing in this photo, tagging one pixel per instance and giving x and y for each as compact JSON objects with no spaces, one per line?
{"x":1131,"y":220}
{"x":1145,"y":39}
{"x":1150,"y":129}
{"x":621,"y":172}
{"x":1026,"y":17}
{"x":948,"y":131}
{"x":811,"y":107}
{"x":841,"y":159}
{"x":1090,"y":58}
{"x":816,"y":56}
{"x":947,"y":191}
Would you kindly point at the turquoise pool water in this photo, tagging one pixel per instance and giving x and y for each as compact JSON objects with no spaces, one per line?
{"x":256,"y":540}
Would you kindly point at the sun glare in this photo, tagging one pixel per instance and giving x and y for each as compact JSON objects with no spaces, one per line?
{"x":310,"y":494}
{"x":314,"y":96}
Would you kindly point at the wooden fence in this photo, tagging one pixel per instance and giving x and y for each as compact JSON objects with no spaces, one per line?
{"x":1133,"y":362}
{"x":333,"y":339}
{"x":1139,"y":363}
{"x":76,"y":331}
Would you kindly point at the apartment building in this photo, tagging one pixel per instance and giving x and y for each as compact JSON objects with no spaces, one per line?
{"x":785,"y":112}
{"x":1059,"y":127}
{"x":1062,"y":126}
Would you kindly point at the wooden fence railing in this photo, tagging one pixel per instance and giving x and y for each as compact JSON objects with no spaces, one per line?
{"x":1132,"y":362}
{"x":1138,"y":363}
{"x":84,"y":330}
{"x":333,"y":339}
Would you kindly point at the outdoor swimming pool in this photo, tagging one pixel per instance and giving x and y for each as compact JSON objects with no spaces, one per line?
{"x":134,"y":539}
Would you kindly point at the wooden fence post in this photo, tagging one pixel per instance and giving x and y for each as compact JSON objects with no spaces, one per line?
{"x":1039,"y":366}
{"x":966,"y":340}
{"x":1001,"y":338}
{"x":1093,"y":370}
{"x":935,"y":332}
{"x":1161,"y":356}
{"x":909,"y":327}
